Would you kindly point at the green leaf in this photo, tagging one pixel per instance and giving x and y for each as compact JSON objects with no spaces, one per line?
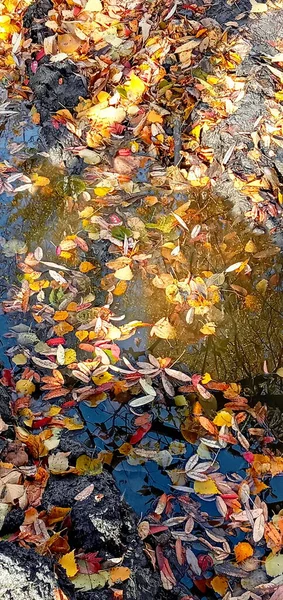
{"x":89,"y":582}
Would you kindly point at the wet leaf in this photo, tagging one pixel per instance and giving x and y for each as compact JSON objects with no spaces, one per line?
{"x":274,"y":565}
{"x":206,"y":488}
{"x":119,"y":574}
{"x":69,"y":564}
{"x":163,"y":329}
{"x":220,"y":585}
{"x":243,"y":550}
{"x":124,"y":274}
{"x":89,"y":582}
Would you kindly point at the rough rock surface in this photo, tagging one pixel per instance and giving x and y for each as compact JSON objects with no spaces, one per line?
{"x":55,"y":86}
{"x":257,"y":36}
{"x":25,"y":575}
{"x":104,"y":523}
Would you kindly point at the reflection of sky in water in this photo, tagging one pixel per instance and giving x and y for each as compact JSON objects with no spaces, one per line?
{"x":15,"y":130}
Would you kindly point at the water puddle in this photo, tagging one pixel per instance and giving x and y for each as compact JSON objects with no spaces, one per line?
{"x":216,"y":282}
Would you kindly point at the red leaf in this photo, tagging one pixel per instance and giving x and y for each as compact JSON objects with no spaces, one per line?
{"x":41,"y":422}
{"x":157,"y":528}
{"x":56,"y":341}
{"x":160,"y":557}
{"x":140,"y":433}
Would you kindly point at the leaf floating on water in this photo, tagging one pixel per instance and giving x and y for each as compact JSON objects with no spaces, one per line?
{"x":177,"y":375}
{"x":19,"y":359}
{"x":180,"y":221}
{"x":258,"y":7}
{"x":220,"y":585}
{"x":119,"y":574}
{"x":163,"y":329}
{"x":208,"y":329}
{"x":243,"y":550}
{"x":274,"y":565}
{"x":124,"y":274}
{"x":193,"y":562}
{"x":206,"y":488}
{"x":258,"y":529}
{"x":233,"y":267}
{"x":141,"y":401}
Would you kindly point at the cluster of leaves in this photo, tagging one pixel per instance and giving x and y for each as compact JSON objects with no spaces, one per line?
{"x":68,"y":352}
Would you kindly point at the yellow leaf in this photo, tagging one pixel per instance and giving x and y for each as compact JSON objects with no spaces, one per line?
{"x":258,"y":7}
{"x":208,"y":329}
{"x":206,"y":378}
{"x":67,"y":43}
{"x":125,"y":449}
{"x":93,"y":6}
{"x":250,"y":246}
{"x":124,"y":274}
{"x":69,"y":564}
{"x":219,"y":585}
{"x":274,"y":565}
{"x":81,"y":335}
{"x":135,"y":87}
{"x":102,"y":191}
{"x":154,"y":117}
{"x":19,"y":359}
{"x":86,"y":266}
{"x":25,"y":386}
{"x":280,"y":372}
{"x":85,"y":464}
{"x":223,"y":418}
{"x":118,"y":574}
{"x":261,"y":286}
{"x":87,"y":212}
{"x":242,"y":551}
{"x":72,"y":424}
{"x":206,"y":488}
{"x":40,"y":181}
{"x":163,"y":329}
{"x":36,"y":286}
{"x":102,"y":378}
{"x":70,"y":356}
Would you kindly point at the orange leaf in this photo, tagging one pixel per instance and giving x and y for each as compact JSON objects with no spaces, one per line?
{"x":63,"y":328}
{"x":219,"y":584}
{"x":56,"y":514}
{"x":86,"y":266}
{"x":119,"y":574}
{"x":120,"y":288}
{"x":154,"y":117}
{"x":60,"y":315}
{"x":208,"y":425}
{"x":243,"y":550}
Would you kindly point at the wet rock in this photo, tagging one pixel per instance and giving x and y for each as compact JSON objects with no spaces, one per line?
{"x":13,"y":521}
{"x":104,"y":523}
{"x":5,"y":410}
{"x":34,"y":20}
{"x":224,"y":12}
{"x":55,"y":86}
{"x":25,"y":575}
